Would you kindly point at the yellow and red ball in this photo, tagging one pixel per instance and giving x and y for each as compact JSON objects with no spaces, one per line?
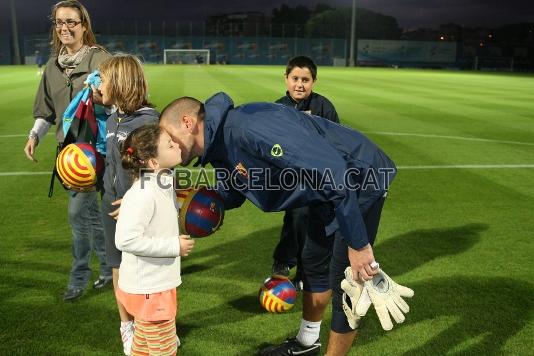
{"x":277,"y":295}
{"x":79,"y":166}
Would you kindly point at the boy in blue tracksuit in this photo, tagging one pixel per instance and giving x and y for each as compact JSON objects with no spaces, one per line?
{"x":344,"y":179}
{"x":300,"y":77}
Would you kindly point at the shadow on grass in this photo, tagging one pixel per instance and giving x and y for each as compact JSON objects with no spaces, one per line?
{"x":251,"y":257}
{"x":242,"y":259}
{"x":37,"y":321}
{"x":488,"y":311}
{"x":246,"y":304}
{"x":403,"y":253}
{"x":193,"y":268}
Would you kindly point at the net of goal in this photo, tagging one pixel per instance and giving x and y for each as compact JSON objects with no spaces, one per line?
{"x":494,"y":63}
{"x":186,"y":56}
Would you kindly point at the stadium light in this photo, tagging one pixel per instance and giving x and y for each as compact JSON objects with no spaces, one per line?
{"x":16,"y":49}
{"x":352,"y":34}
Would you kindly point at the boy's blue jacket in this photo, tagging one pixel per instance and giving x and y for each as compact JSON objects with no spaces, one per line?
{"x":257,"y":136}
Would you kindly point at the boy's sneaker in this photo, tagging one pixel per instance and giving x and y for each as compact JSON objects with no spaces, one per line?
{"x":299,"y":285}
{"x":101,"y":282}
{"x":298,"y":281}
{"x":127,"y":334}
{"x":292,"y":347}
{"x":280,"y":270}
{"x":72,"y":294}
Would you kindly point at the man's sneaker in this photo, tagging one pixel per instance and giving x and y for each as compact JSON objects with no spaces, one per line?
{"x":280,"y":270}
{"x":101,"y":282}
{"x":127,"y":335}
{"x":292,"y":347}
{"x":72,"y":294}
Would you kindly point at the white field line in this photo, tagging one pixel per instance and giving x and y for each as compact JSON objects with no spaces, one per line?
{"x":419,"y":167}
{"x":423,"y":167}
{"x":438,"y":166}
{"x":19,"y":174}
{"x":469,"y":166}
{"x":476,"y":139}
{"x":21,"y":135}
{"x":448,"y":137}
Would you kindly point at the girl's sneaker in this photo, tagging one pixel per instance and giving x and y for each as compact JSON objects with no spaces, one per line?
{"x":127,"y":334}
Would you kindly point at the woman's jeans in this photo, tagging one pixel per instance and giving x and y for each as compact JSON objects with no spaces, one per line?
{"x":85,"y":220}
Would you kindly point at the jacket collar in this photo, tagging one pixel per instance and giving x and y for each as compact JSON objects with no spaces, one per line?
{"x":145,"y":110}
{"x":216,"y":109}
{"x":300,"y":105}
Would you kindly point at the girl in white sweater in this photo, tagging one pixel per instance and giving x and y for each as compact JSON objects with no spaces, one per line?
{"x":147,"y":234}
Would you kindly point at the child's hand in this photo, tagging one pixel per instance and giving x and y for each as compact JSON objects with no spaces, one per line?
{"x":97,"y":96}
{"x":186,"y":245}
{"x":115,"y":213}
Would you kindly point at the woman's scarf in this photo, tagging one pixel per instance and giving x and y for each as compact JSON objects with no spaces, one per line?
{"x":70,"y":61}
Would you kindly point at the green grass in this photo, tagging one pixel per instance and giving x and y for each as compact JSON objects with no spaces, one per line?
{"x":460,"y":237}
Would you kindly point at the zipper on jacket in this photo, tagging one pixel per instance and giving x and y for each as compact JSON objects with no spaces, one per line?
{"x":114,"y":170}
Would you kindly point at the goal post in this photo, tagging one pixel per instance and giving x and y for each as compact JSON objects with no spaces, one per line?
{"x":186,"y":56}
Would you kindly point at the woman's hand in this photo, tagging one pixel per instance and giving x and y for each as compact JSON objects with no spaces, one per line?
{"x":29,"y":149}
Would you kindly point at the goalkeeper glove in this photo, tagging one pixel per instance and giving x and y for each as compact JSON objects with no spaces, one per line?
{"x":352,"y":294}
{"x":386,"y":296}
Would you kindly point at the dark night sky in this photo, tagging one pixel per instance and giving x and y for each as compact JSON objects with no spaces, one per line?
{"x":409,"y":13}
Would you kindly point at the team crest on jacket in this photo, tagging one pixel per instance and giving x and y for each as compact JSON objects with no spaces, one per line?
{"x":241,"y":170}
{"x":277,"y":151}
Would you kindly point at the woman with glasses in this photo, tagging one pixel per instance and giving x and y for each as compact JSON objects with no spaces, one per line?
{"x":75,"y":55}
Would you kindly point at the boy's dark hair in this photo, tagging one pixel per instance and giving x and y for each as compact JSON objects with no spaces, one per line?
{"x":302,"y":62}
{"x":140,"y":146}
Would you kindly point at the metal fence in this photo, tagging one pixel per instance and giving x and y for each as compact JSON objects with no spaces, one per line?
{"x":325,"y":51}
{"x":229,"y":50}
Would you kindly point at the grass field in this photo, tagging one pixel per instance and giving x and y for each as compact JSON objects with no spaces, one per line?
{"x":457,"y":228}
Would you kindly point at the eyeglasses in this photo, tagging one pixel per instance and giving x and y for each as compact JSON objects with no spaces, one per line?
{"x":69,"y":23}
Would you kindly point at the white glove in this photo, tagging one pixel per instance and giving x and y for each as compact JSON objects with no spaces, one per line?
{"x":386,"y":296}
{"x":353,"y":291}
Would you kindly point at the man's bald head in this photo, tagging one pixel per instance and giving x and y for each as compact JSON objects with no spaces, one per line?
{"x":181,"y":107}
{"x":183,"y":119}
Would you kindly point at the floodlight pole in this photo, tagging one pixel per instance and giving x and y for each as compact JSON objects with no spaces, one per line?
{"x":352,"y":34}
{"x":16,"y":49}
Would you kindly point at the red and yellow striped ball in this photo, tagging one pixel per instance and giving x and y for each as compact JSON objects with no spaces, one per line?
{"x":277,"y":295}
{"x":79,"y":166}
{"x":201,"y":211}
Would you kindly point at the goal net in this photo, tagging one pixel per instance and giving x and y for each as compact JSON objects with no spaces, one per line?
{"x":186,"y":56}
{"x":494,"y":64}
